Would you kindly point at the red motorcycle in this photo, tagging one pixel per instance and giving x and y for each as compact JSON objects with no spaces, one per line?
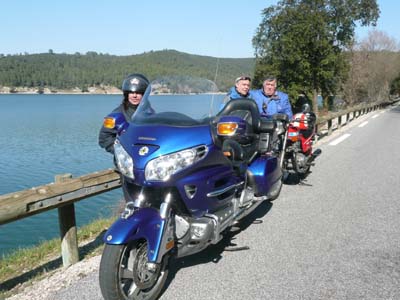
{"x":298,"y":156}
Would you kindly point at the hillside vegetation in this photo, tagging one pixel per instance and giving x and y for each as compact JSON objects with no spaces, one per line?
{"x":70,"y":71}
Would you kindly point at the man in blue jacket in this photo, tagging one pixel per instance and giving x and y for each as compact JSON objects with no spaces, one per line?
{"x":240,"y":90}
{"x":270,"y":101}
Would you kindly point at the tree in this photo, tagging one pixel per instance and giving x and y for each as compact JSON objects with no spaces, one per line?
{"x":374,"y":65}
{"x":395,"y":87}
{"x":302,"y":43}
{"x":65,"y":71}
{"x":383,"y":64}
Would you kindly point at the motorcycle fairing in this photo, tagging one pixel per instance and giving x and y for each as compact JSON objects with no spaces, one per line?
{"x":159,"y":137}
{"x":264,"y":172}
{"x":207,"y":175}
{"x":145,"y":223}
{"x":205,"y":182}
{"x":118,"y":120}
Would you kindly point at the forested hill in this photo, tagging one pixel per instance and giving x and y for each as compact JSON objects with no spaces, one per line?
{"x":176,"y":71}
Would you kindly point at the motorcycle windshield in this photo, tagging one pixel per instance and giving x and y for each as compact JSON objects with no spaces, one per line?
{"x":177,"y":110}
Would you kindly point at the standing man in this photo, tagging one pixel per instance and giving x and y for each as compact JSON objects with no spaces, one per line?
{"x":270,"y":101}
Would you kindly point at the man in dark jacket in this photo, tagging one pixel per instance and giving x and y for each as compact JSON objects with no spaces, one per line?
{"x":133,"y":88}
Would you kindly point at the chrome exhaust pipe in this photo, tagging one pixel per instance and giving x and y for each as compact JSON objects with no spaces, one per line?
{"x":316,"y":153}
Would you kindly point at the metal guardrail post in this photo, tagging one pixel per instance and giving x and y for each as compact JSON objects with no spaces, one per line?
{"x":68,"y":232}
{"x":330,"y":127}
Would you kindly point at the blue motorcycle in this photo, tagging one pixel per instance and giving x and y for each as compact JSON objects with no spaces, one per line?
{"x":190,"y":172}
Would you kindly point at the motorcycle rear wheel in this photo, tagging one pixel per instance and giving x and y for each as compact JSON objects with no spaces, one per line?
{"x":123,"y":273}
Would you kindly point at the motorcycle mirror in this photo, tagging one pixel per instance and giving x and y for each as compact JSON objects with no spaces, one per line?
{"x":306,"y":108}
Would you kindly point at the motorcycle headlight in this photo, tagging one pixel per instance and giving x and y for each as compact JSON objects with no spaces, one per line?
{"x":163,"y":167}
{"x":123,"y":160}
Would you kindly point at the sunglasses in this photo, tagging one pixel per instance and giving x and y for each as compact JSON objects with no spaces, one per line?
{"x":242,"y":78}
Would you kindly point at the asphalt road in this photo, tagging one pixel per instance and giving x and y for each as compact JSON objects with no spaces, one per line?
{"x":336,"y":236}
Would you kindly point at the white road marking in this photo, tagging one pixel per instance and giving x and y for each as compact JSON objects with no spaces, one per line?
{"x":340,"y":139}
{"x":363,"y":124}
{"x":375,"y":116}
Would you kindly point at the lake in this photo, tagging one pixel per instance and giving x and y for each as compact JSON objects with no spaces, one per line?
{"x":46,"y":135}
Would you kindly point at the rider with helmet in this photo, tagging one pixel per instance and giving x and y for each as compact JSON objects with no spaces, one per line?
{"x":133,"y":87}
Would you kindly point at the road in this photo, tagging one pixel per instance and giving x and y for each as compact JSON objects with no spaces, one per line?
{"x":335,"y":236}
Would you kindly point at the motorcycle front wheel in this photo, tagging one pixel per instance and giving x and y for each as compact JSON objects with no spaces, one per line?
{"x":123,"y":273}
{"x":301,"y":165}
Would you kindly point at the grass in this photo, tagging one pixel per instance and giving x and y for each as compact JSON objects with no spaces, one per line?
{"x":25,"y":265}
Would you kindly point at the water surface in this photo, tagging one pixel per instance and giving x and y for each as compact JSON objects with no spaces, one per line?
{"x":45,"y":135}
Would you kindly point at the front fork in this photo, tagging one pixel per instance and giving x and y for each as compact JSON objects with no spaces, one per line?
{"x":283,"y":151}
{"x":155,"y":226}
{"x":166,"y":236}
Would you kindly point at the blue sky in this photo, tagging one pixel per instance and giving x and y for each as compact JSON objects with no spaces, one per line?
{"x":220,"y":28}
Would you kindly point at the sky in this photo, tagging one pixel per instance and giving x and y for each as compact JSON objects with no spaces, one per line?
{"x":218,"y":28}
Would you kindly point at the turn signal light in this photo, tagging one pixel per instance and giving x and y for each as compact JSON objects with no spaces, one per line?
{"x":227,"y":128}
{"x":293,"y":136}
{"x":169,"y":244}
{"x":109,"y":122}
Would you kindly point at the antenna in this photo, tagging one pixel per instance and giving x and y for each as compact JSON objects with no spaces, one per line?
{"x":215,"y":82}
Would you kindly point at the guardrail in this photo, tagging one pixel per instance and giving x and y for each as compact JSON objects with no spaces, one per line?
{"x":343,"y":117}
{"x":61,"y":194}
{"x":66,"y":190}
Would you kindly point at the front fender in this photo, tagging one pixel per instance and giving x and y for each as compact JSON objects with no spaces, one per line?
{"x":145,"y":223}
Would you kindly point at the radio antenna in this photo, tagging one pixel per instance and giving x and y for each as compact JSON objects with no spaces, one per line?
{"x":215,"y":83}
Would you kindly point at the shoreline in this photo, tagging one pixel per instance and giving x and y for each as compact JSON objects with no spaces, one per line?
{"x":76,"y":91}
{"x":53,"y":91}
